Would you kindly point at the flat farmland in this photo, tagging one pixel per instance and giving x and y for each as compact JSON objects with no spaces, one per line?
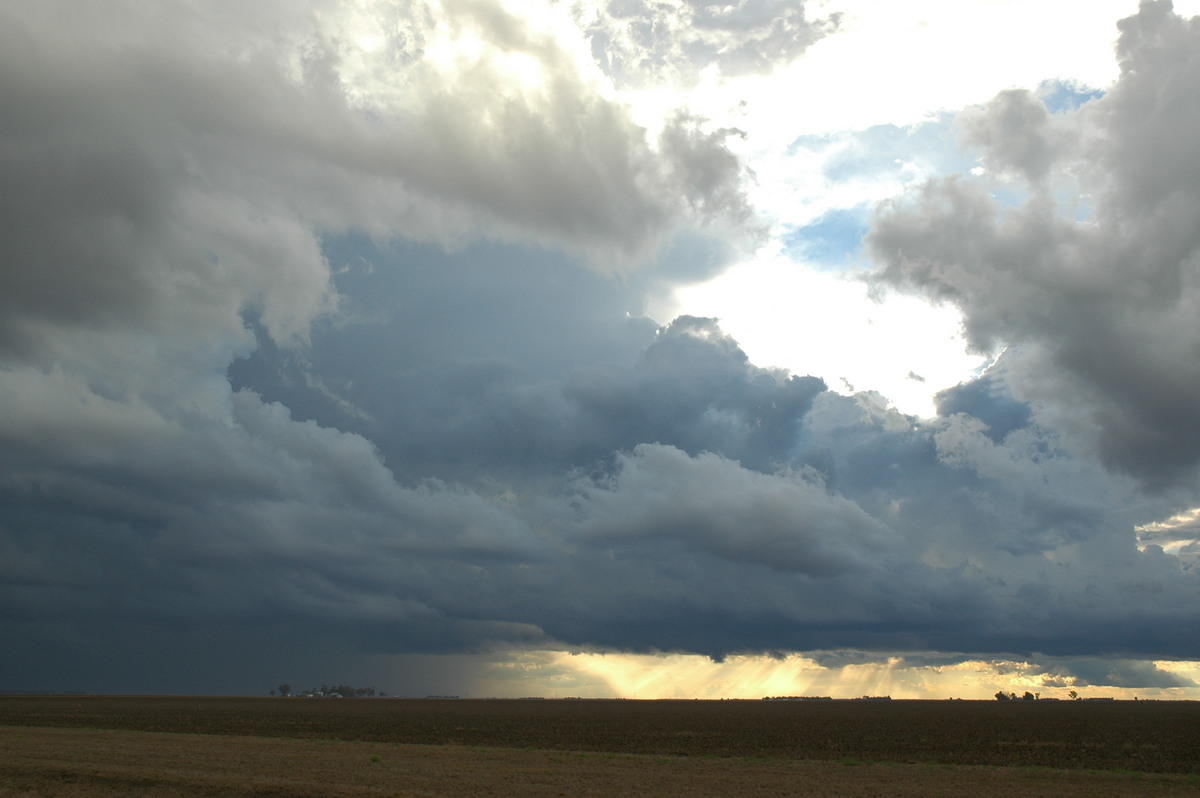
{"x":94,"y":745}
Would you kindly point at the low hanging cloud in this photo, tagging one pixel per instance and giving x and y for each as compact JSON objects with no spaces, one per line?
{"x":713,"y":505}
{"x":1091,"y":272}
{"x":869,"y":531}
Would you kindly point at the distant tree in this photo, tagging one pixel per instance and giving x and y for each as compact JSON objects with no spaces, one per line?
{"x":1028,"y":696}
{"x":1074,"y":695}
{"x":1001,"y":695}
{"x":284,"y":689}
{"x":341,"y":691}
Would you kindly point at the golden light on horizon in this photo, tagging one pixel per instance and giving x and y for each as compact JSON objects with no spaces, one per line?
{"x":834,"y":674}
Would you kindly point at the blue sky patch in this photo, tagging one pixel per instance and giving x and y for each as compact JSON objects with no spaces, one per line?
{"x":834,"y":241}
{"x":1061,"y":96}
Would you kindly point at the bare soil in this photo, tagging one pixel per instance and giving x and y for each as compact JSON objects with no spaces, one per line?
{"x":158,"y":746}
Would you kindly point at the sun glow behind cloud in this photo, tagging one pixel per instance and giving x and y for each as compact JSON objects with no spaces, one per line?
{"x":559,"y":674}
{"x":1178,"y":535}
{"x":778,"y":308}
{"x":781,"y":312}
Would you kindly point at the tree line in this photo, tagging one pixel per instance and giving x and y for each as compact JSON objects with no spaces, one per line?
{"x":329,"y":691}
{"x":1003,"y":696}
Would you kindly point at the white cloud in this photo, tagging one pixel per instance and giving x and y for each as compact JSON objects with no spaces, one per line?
{"x":898,"y":63}
{"x":648,"y":44}
{"x":794,"y":316}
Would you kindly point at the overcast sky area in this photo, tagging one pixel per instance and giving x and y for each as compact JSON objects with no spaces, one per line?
{"x":634,"y":348}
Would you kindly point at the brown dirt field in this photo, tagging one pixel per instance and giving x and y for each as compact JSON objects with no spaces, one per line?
{"x":74,"y":763}
{"x":152,"y":746}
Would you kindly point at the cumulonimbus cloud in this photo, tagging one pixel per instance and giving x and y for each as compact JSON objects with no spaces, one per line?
{"x":1094,"y":275}
{"x":520,"y":470}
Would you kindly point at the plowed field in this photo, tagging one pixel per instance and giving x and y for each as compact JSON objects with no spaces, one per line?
{"x":242,"y":746}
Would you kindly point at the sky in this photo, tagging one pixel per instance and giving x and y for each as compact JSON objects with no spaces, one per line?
{"x":639,"y":349}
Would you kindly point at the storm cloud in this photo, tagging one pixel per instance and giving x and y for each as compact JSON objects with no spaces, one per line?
{"x":324,"y":337}
{"x":1078,"y":246}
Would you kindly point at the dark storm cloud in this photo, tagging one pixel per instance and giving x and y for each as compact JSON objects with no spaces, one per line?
{"x":423,"y":372}
{"x":1111,"y":672}
{"x":750,"y":510}
{"x":712,"y":505}
{"x":693,"y":501}
{"x":1102,"y":309}
{"x":988,"y":399}
{"x":232,"y":425}
{"x":908,"y":535}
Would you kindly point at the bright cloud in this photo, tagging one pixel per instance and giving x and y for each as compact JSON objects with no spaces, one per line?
{"x":781,"y":312}
{"x":838,"y":674}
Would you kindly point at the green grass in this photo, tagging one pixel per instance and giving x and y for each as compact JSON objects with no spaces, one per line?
{"x":852,"y":761}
